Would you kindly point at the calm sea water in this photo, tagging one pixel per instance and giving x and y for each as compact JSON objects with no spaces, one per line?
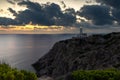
{"x":21,"y":51}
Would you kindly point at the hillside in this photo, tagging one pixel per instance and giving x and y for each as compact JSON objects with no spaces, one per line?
{"x":90,"y":53}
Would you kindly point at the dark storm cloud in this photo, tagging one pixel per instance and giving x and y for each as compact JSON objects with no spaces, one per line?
{"x":38,"y":14}
{"x":51,"y":14}
{"x":7,"y":21}
{"x":116,"y":15}
{"x":14,"y":1}
{"x":12,"y":11}
{"x":115,"y":11}
{"x":11,"y":1}
{"x":107,"y":13}
{"x":99,"y":15}
{"x":63,"y":4}
{"x":112,"y":3}
{"x":68,"y":18}
{"x":45,"y":14}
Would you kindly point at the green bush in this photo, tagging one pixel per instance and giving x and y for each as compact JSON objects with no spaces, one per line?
{"x":8,"y":73}
{"x":109,"y":74}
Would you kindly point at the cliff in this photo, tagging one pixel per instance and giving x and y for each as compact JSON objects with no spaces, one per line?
{"x":93,"y":52}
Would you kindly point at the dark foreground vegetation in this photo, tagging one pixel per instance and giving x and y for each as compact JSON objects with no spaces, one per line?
{"x":110,"y":74}
{"x":8,"y":73}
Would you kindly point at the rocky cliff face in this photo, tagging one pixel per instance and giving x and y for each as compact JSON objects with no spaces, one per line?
{"x":93,"y":52}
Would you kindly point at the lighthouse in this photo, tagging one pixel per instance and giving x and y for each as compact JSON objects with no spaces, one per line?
{"x":81,"y":30}
{"x":81,"y":33}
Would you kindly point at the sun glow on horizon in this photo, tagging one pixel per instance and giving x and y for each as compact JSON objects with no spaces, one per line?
{"x":31,"y":28}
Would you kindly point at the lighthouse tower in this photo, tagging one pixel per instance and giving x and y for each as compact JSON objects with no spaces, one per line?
{"x":81,"y":30}
{"x":82,"y":34}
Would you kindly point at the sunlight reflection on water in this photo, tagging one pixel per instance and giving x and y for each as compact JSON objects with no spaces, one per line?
{"x":22,"y":50}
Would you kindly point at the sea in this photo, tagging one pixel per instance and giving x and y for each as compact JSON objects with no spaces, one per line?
{"x":22,"y":50}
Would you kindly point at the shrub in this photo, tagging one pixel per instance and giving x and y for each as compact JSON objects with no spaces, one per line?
{"x":8,"y":73}
{"x":109,"y":74}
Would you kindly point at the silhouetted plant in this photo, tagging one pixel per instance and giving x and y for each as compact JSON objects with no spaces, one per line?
{"x":109,"y":74}
{"x":8,"y":73}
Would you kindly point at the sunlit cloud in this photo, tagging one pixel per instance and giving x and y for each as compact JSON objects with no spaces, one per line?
{"x":36,"y":29}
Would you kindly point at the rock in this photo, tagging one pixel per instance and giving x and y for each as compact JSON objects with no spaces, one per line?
{"x":45,"y":78}
{"x":93,"y":52}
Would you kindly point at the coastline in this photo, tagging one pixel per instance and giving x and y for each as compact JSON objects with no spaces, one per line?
{"x":91,"y":53}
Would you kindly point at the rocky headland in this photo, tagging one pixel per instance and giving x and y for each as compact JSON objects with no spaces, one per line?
{"x":89,"y":53}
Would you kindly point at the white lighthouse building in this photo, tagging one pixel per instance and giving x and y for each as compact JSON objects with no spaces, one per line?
{"x":81,"y":33}
{"x":81,"y":30}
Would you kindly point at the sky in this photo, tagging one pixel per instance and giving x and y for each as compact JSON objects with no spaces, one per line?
{"x":5,"y":4}
{"x":59,"y":16}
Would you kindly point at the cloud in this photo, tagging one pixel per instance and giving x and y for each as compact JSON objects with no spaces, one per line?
{"x":1,"y":10}
{"x":115,"y":8}
{"x":11,"y":1}
{"x":99,"y":15}
{"x":36,"y":13}
{"x":12,"y":11}
{"x":14,"y":1}
{"x":116,"y":15}
{"x":45,"y":14}
{"x":63,"y":4}
{"x":112,"y":3}
{"x":107,"y":13}
{"x":7,"y":21}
